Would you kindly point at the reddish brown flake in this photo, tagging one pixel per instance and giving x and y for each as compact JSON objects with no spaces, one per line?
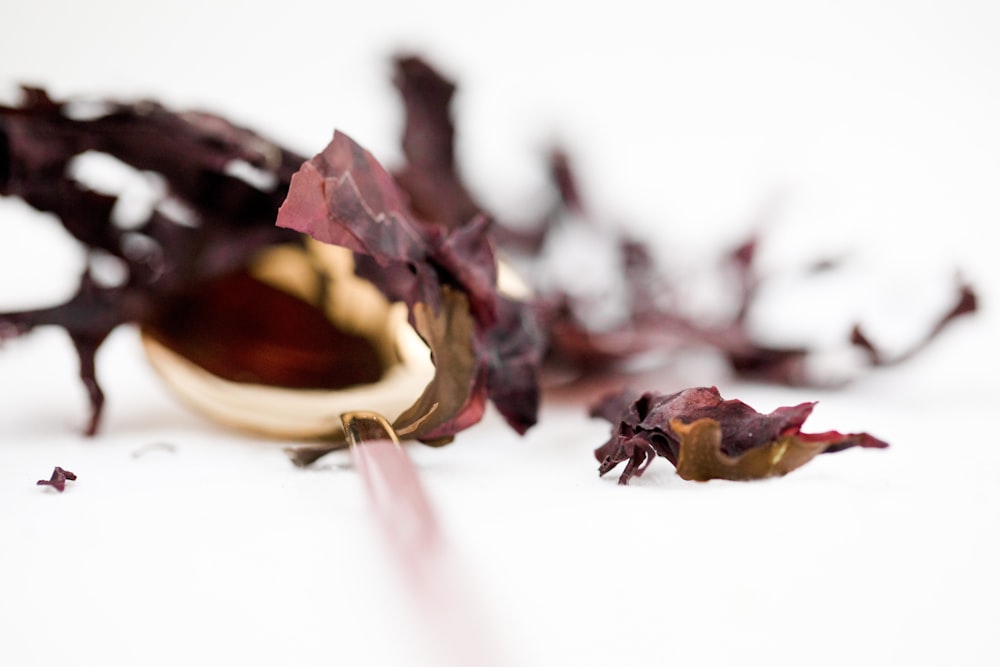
{"x":227,"y":218}
{"x":706,"y":437}
{"x":58,"y":479}
{"x":483,"y":345}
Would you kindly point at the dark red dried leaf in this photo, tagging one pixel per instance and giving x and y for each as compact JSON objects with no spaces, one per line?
{"x":58,"y":479}
{"x":651,"y":325}
{"x":445,"y":274}
{"x":437,"y":191}
{"x":965,"y":303}
{"x":429,"y":176}
{"x":230,"y":218}
{"x":707,"y":437}
{"x":419,"y":236}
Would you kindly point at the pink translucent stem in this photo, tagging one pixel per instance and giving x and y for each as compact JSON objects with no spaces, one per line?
{"x":445,"y":604}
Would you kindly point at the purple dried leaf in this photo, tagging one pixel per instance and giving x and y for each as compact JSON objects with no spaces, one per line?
{"x":515,"y":351}
{"x":445,"y":275}
{"x":429,"y":176}
{"x":707,"y":437}
{"x":966,"y":303}
{"x":58,"y":479}
{"x":652,"y":326}
{"x":433,"y":183}
{"x":231,"y":219}
{"x":436,"y":189}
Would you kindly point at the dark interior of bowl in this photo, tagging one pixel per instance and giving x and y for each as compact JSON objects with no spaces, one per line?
{"x":244,"y":330}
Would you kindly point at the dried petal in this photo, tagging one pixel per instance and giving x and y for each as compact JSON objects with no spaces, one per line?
{"x":430,"y":177}
{"x":701,"y":457}
{"x":966,"y":303}
{"x":58,"y":479}
{"x":447,"y":277}
{"x":706,"y":437}
{"x":210,"y":219}
{"x":456,"y":397}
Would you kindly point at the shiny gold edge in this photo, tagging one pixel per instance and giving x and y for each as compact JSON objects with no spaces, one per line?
{"x":352,"y":304}
{"x":280,"y":412}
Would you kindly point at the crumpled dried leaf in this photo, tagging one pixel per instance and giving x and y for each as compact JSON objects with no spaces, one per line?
{"x":966,"y":303}
{"x":446,"y":275}
{"x":430,"y":176}
{"x":456,"y":397}
{"x":209,"y":221}
{"x":707,"y":437}
{"x":434,"y":239}
{"x":181,"y":270}
{"x":652,"y":324}
{"x":434,"y":183}
{"x":58,"y":479}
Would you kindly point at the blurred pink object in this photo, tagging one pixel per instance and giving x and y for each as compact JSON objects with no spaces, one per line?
{"x":441,"y":595}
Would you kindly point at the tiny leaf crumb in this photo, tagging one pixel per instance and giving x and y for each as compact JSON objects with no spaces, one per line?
{"x":58,"y":479}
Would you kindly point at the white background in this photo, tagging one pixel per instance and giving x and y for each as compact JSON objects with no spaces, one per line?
{"x":861,"y":130}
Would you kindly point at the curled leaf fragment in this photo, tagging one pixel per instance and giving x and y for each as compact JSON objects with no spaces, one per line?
{"x":58,"y":479}
{"x":216,"y":189}
{"x":430,"y":176}
{"x":649,"y":324}
{"x":445,"y":274}
{"x":707,"y":437}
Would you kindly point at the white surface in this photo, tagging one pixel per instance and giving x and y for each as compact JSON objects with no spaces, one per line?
{"x":857,"y":128}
